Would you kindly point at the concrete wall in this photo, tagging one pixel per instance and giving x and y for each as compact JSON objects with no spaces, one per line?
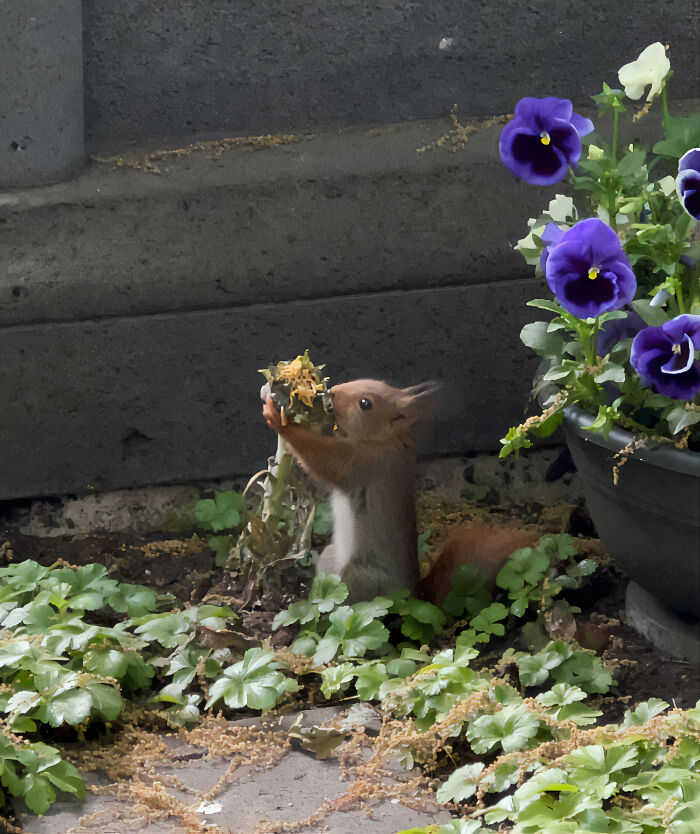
{"x":41,"y":91}
{"x":167,"y":70}
{"x":136,"y":308}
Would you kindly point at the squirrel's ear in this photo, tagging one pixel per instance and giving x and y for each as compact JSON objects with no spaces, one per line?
{"x":417,"y":406}
{"x":420,"y":401}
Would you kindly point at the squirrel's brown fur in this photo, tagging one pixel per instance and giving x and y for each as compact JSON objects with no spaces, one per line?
{"x":369,"y":465}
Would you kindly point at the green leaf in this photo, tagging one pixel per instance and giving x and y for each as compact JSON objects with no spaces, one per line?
{"x":338,"y":677}
{"x":511,"y":728}
{"x":323,"y":519}
{"x":594,"y":761}
{"x":468,"y":593}
{"x":298,"y":612}
{"x":66,"y":778}
{"x":610,"y":373}
{"x":534,"y":669}
{"x":37,"y":792}
{"x":106,"y":700}
{"x":561,"y":694}
{"x":644,"y":712}
{"x":609,"y":100}
{"x":525,"y":566}
{"x":221,"y":513}
{"x":461,"y":784}
{"x":537,"y":337}
{"x":353,"y":630}
{"x":655,"y":316}
{"x":254,"y":682}
{"x":169,"y":629}
{"x":69,"y":707}
{"x":222,"y":546}
{"x":545,"y":304}
{"x":680,"y":418}
{"x":327,"y":592}
{"x":135,"y":600}
{"x":370,"y":677}
{"x":13,"y":652}
{"x":421,"y":620}
{"x":682,"y":134}
{"x":584,"y":670}
{"x":487,"y":621}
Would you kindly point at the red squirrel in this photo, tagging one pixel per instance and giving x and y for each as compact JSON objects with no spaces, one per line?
{"x":369,"y":464}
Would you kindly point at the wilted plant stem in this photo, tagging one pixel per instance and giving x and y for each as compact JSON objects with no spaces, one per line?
{"x":276,"y":482}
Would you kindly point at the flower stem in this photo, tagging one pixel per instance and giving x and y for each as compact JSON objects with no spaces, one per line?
{"x":613,"y":151}
{"x":679,"y":298}
{"x":664,"y":104}
{"x":589,"y":340}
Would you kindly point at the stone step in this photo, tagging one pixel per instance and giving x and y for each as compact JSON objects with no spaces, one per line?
{"x":333,"y":214}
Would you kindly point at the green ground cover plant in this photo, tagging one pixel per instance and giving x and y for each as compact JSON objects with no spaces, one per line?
{"x":513,"y":735}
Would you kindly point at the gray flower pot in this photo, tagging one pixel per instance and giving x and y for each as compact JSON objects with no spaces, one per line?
{"x":650,"y":520}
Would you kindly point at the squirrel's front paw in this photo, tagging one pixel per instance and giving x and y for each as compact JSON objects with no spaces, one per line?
{"x":272,"y":416}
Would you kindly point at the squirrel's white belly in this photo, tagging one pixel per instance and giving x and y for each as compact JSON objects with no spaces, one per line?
{"x":344,"y":529}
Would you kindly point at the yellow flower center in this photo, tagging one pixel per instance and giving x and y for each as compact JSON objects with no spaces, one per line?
{"x":676,"y":349}
{"x":593,"y":273}
{"x":544,"y":138}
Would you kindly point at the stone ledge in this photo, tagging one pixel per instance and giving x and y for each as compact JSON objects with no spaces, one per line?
{"x":174,"y":397}
{"x":339,"y":213}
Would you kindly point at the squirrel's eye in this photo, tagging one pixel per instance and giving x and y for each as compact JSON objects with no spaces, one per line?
{"x":365,"y":404}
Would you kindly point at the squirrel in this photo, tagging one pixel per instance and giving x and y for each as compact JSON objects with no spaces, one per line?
{"x":369,"y":465}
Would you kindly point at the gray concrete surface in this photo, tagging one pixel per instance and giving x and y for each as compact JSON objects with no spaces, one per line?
{"x":339,"y":213}
{"x":165,"y":70}
{"x":294,"y":789}
{"x":41,"y":91}
{"x":135,"y":309}
{"x":175,"y":397}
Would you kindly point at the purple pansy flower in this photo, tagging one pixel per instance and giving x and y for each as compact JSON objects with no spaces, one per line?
{"x":664,"y":357}
{"x":588,"y":271}
{"x":543,"y":139}
{"x":688,"y":182}
{"x":551,"y":237}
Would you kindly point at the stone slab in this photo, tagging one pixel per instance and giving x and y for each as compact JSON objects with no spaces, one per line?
{"x":166,"y":70}
{"x":292,"y":790}
{"x":175,"y":397}
{"x":335,"y":214}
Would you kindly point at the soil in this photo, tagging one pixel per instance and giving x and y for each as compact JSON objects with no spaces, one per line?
{"x":185,"y":567}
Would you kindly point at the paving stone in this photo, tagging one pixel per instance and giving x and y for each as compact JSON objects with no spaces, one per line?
{"x":292,"y":790}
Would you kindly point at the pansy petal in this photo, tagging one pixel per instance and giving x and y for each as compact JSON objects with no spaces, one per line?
{"x":682,"y":360}
{"x":683,"y":386}
{"x":690,"y":159}
{"x":683,"y":325}
{"x":582,"y":125}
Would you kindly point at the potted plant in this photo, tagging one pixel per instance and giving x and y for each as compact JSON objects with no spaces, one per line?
{"x":620,"y":367}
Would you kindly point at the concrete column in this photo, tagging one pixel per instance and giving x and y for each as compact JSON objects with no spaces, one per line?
{"x":41,"y":91}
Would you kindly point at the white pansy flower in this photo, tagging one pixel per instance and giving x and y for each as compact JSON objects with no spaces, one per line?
{"x":651,"y":67}
{"x":561,"y":208}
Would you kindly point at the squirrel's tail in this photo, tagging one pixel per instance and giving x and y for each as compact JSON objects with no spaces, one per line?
{"x":484,"y":546}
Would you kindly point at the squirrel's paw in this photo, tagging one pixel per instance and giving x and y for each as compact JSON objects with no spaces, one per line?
{"x":272,"y":416}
